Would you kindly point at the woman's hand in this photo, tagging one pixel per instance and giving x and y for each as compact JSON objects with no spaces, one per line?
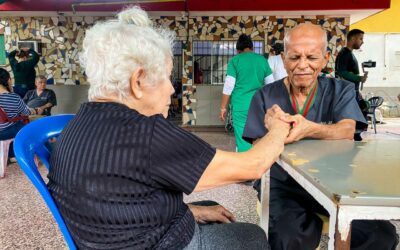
{"x":276,"y":119}
{"x":206,"y":214}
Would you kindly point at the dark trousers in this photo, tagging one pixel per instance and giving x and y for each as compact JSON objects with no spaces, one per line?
{"x":294,"y":225}
{"x":232,"y":236}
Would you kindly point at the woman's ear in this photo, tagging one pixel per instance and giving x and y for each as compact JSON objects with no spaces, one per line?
{"x":136,"y":83}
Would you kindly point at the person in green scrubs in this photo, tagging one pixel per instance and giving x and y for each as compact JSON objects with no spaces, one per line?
{"x":247,"y":72}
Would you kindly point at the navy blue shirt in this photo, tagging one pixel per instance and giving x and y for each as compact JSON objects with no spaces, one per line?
{"x":335,"y":101}
{"x":33,"y":100}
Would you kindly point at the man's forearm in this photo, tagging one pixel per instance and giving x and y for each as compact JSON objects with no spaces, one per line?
{"x":344,"y":129}
{"x":224,"y":101}
{"x":349,"y":76}
{"x":47,"y":105}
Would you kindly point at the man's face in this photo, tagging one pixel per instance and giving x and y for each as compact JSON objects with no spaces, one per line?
{"x":304,"y":59}
{"x":358,"y":40}
{"x":40,"y":84}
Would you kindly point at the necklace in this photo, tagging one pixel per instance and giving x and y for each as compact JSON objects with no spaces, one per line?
{"x":307,"y":104}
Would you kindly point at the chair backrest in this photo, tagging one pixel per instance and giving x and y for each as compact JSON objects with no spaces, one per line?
{"x":375,"y":101}
{"x":31,"y":140}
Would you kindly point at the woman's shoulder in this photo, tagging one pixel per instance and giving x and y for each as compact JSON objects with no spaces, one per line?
{"x":10,"y":98}
{"x":11,"y":95}
{"x":114,"y":111}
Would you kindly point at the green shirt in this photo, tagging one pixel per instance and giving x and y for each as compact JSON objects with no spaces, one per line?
{"x":24,"y":72}
{"x":249,"y":69}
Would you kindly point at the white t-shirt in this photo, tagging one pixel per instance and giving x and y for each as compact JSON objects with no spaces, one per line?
{"x":276,"y":64}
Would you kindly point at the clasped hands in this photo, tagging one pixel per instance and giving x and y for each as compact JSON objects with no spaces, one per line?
{"x":36,"y":111}
{"x":298,"y":127}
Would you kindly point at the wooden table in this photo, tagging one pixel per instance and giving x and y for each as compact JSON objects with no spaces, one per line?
{"x":351,"y":180}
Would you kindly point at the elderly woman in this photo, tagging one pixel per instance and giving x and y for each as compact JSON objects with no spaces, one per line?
{"x":119,"y":169}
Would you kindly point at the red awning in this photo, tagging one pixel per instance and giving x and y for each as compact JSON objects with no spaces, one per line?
{"x":194,"y":5}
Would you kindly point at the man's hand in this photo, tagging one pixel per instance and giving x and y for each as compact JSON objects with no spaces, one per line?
{"x":206,"y":214}
{"x":364,"y":77}
{"x":300,"y":127}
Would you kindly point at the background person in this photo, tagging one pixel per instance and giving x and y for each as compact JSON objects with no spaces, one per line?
{"x":247,"y":72}
{"x":331,"y":114}
{"x":119,"y":169}
{"x":41,"y":98}
{"x":13,"y":110}
{"x":23,"y":69}
{"x":346,"y":67}
{"x":276,"y":63}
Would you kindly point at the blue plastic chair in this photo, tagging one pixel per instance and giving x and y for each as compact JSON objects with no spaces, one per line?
{"x":32,"y":140}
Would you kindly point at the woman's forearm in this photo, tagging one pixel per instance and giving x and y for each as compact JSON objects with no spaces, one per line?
{"x":228,"y":167}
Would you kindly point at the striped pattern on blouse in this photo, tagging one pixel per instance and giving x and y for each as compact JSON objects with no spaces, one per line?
{"x":118,"y":178}
{"x":13,"y":105}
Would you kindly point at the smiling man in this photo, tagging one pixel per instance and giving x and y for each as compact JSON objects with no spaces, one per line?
{"x":319,"y":108}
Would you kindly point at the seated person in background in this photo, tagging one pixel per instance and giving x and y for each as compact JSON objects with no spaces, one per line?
{"x":322,"y":108}
{"x":13,"y":111}
{"x":119,"y":169}
{"x":41,"y":98}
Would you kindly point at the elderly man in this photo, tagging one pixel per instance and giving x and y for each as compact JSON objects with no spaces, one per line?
{"x":41,"y":99}
{"x":321,"y":108}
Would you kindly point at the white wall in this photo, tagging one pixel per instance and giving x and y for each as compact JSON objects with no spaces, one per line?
{"x":384,"y":48}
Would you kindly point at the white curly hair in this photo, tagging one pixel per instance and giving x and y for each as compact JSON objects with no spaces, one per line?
{"x":114,"y":49}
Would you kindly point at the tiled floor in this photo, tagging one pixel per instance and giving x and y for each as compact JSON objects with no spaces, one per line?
{"x":26,"y":223}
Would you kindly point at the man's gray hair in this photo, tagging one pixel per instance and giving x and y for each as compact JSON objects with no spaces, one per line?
{"x":40,"y":77}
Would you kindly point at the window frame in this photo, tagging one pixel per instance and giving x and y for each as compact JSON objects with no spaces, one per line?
{"x":221,"y":55}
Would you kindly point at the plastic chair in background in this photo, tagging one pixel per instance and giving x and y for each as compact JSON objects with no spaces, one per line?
{"x":375,"y":102}
{"x":4,"y":148}
{"x":31,"y":140}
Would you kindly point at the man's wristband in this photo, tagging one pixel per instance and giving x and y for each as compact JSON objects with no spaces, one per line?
{"x":223,"y":109}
